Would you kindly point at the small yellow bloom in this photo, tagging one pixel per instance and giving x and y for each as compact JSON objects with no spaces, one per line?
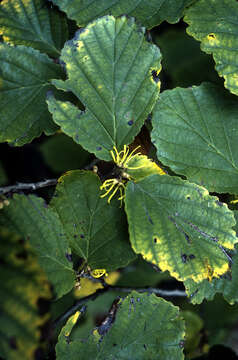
{"x":108,"y":186}
{"x":121,"y":159}
{"x":97,"y":273}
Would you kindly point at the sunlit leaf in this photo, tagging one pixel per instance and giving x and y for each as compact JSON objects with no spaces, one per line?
{"x":23,"y":284}
{"x":226,"y":284}
{"x":97,"y":231}
{"x":141,"y":166}
{"x":116,"y":79}
{"x":32,"y":23}
{"x":25,"y":76}
{"x":195,"y":131}
{"x":179,"y":227}
{"x":145,"y":327}
{"x":30,"y":217}
{"x":89,"y":286}
{"x":149,"y":14}
{"x":214,"y":23}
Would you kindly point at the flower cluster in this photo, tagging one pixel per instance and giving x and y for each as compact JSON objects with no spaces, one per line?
{"x":121,"y":159}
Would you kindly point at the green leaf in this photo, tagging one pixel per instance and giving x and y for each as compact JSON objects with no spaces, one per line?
{"x":194,"y":325}
{"x":97,"y":231}
{"x":149,"y":14}
{"x":140,"y":166}
{"x":208,"y":289}
{"x":31,"y":23}
{"x":25,"y":74}
{"x":31,"y":218}
{"x":146,"y":327}
{"x":220,"y":329}
{"x":226,"y":285}
{"x":140,"y":273}
{"x":113,"y":78}
{"x":214,"y":23}
{"x":61,"y":153}
{"x":95,"y":308}
{"x":181,"y":56}
{"x":22,"y":284}
{"x":179,"y":227}
{"x":195,"y":131}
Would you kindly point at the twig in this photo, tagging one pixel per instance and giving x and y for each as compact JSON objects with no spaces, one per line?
{"x":160,"y":292}
{"x":27,"y":186}
{"x":78,"y":304}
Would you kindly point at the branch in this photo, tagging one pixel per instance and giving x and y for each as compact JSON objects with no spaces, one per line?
{"x":27,"y":186}
{"x":160,"y":292}
{"x":78,"y":304}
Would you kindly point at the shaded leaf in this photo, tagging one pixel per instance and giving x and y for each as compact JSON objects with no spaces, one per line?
{"x":195,"y":131}
{"x":218,"y":351}
{"x":147,"y":326}
{"x":31,"y":23}
{"x":30,"y":217}
{"x":149,"y":14}
{"x":179,"y":227}
{"x":22,"y":285}
{"x":24,"y":75}
{"x":183,"y":61}
{"x":141,"y":274}
{"x":193,"y":325}
{"x":220,"y":329}
{"x":61,"y":153}
{"x":113,"y":78}
{"x":214,"y":23}
{"x":97,"y":231}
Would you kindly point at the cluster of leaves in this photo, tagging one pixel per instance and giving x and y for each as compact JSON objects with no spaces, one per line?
{"x":88,"y":73}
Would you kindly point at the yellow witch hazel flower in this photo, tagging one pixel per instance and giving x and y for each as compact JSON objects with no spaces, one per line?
{"x":132,"y":166}
{"x":97,"y":273}
{"x":121,"y":159}
{"x":108,"y":186}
